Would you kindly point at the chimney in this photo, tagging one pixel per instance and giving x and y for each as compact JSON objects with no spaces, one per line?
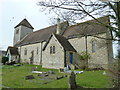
{"x":58,"y":26}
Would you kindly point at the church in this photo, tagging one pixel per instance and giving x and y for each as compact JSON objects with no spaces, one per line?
{"x":60,"y":45}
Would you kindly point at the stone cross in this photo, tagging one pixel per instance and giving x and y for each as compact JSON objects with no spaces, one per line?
{"x":71,"y":81}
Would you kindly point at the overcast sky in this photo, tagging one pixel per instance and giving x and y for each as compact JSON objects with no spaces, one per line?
{"x":14,"y":11}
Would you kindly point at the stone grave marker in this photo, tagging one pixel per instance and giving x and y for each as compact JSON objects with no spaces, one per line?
{"x":32,"y":69}
{"x":29,"y":77}
{"x":58,"y":77}
{"x":72,"y":81}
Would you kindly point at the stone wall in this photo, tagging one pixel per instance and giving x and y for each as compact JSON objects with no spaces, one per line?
{"x":99,"y":58}
{"x":35,"y":48}
{"x":55,"y":60}
{"x":12,"y":57}
{"x":22,"y":32}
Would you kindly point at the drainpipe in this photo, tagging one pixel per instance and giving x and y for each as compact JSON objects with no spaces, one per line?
{"x":41,"y":53}
{"x":65,"y":63}
{"x":86,"y":49}
{"x":86,"y":44}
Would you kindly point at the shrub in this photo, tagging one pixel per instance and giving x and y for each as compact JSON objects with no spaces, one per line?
{"x":84,"y":56}
{"x":84,"y":60}
{"x":4,"y":60}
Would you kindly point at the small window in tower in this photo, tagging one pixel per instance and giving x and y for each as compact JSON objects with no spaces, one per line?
{"x":17,"y":31}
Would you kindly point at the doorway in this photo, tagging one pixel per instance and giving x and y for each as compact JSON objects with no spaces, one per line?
{"x":71,"y":58}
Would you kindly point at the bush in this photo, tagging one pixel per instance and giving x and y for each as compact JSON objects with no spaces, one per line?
{"x":4,"y":60}
{"x":83,"y":56}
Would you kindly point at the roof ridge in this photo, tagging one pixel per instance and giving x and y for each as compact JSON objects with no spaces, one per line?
{"x":87,"y":21}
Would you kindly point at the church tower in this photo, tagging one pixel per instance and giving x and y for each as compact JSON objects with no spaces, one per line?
{"x":21,"y":30}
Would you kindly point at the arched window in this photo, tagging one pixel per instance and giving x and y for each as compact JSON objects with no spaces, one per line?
{"x":50,"y":49}
{"x":53,"y":49}
{"x":37,"y":50}
{"x":25,"y":51}
{"x":93,"y":47}
{"x":17,"y":31}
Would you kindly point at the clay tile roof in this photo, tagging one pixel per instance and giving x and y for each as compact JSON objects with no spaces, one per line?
{"x":13,"y":50}
{"x":89,"y":27}
{"x":24,"y":22}
{"x":65,"y":43}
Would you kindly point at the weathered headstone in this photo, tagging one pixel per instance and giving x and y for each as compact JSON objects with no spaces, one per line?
{"x":29,"y":77}
{"x":32,"y":69}
{"x":43,"y":75}
{"x":66,"y":69}
{"x":71,"y":81}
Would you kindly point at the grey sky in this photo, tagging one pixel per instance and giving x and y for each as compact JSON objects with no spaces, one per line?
{"x":12,"y":12}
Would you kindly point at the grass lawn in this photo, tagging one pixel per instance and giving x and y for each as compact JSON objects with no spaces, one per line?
{"x":13,"y":77}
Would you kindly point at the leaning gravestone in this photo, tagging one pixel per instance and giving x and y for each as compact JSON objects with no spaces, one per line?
{"x":71,"y":81}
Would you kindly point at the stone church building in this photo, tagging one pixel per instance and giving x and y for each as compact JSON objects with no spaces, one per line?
{"x":59,"y":45}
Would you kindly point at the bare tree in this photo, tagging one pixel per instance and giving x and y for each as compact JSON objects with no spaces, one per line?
{"x":72,"y":10}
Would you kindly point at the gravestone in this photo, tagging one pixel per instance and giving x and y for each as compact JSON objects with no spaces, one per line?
{"x":66,"y":69}
{"x":43,"y":75}
{"x":71,"y":81}
{"x":58,"y":77}
{"x":29,"y":77}
{"x":32,"y":69}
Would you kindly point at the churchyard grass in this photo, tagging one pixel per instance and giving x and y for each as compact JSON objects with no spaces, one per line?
{"x":13,"y":77}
